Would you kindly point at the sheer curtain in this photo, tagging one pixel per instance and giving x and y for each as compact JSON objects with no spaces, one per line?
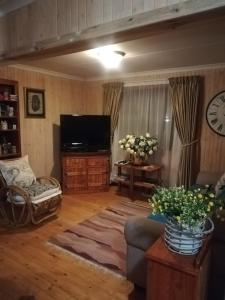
{"x":148,"y":109}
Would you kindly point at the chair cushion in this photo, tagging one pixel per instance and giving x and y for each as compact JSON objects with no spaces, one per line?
{"x":17,"y":172}
{"x":41,"y":190}
{"x":38,"y":193}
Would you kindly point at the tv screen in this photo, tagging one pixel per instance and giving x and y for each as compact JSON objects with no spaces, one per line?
{"x":85,"y":133}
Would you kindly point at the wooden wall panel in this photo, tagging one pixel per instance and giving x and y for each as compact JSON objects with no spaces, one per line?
{"x":45,"y":19}
{"x":45,"y":24}
{"x":212,"y":145}
{"x":94,"y":12}
{"x":40,"y":137}
{"x":107,"y":11}
{"x":3,"y":35}
{"x":137,"y":6}
{"x":93,"y":97}
{"x":67,"y":16}
{"x":82,"y":15}
{"x":121,"y":9}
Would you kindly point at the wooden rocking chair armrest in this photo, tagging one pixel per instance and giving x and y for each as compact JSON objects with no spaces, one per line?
{"x":49,"y":179}
{"x":17,"y":190}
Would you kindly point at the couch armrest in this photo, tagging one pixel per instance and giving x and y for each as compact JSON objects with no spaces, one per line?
{"x":141,"y":232}
{"x":208,"y":178}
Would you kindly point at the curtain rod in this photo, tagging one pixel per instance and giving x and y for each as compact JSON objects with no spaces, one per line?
{"x":147,"y":82}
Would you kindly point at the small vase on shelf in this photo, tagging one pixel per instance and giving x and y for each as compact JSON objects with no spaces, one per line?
{"x":138,"y":161}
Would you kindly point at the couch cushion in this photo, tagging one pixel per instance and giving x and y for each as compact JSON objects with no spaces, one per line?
{"x":220,"y":185}
{"x":142,"y":232}
{"x":17,"y":172}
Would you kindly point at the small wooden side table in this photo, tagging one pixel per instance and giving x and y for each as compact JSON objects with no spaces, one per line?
{"x":132,"y":180}
{"x":172,"y":276}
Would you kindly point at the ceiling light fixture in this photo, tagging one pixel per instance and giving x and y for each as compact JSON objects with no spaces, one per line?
{"x":111,"y":59}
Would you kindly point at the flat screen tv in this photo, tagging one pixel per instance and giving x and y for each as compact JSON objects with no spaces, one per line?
{"x":85,"y":133}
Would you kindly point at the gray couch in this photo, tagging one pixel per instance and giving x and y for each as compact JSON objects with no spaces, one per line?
{"x":141,"y":233}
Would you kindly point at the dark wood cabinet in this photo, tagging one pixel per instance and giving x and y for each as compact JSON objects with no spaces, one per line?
{"x":85,"y":173}
{"x":10,"y":141}
{"x":172,"y":276}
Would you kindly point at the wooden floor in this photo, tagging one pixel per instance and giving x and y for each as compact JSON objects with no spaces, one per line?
{"x":30,"y":266}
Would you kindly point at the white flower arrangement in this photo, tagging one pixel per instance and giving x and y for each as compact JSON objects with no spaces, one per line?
{"x":139,"y":146}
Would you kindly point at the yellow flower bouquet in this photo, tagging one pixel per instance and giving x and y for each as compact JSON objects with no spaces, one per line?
{"x":188,"y":207}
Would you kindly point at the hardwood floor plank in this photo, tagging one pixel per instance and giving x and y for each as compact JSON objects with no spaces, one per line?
{"x":31,"y":266}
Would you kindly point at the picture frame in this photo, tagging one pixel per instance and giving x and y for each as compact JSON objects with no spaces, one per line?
{"x":34,"y":103}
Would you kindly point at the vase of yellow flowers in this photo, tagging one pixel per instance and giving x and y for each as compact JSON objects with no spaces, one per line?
{"x":139,"y":147}
{"x":188,"y":216}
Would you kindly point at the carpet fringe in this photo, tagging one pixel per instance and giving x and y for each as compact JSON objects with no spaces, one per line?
{"x":88,"y":262}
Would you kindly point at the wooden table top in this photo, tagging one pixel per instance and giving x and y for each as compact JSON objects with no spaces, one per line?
{"x":147,"y":168}
{"x":190,"y":264}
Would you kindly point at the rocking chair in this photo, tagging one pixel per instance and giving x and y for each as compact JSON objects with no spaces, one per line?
{"x":25,"y":199}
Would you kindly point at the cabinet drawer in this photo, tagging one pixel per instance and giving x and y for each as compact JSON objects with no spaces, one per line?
{"x":74,"y":164}
{"x":75,"y":172}
{"x":78,"y":181}
{"x":95,"y":180}
{"x":97,"y":170}
{"x":97,"y":162}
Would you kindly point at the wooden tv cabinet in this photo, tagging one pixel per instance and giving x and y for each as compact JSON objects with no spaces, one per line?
{"x":85,"y":172}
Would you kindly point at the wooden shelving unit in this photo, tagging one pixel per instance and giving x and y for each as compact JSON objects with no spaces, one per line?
{"x":10,"y":141}
{"x":136,"y":176}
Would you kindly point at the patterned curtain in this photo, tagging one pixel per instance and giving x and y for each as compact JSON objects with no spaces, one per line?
{"x":112,"y":96}
{"x":184,"y":93}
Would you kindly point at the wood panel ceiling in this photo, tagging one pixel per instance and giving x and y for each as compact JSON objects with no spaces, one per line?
{"x":183,"y":47}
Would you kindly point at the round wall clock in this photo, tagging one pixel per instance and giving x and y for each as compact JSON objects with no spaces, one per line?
{"x":215,"y":113}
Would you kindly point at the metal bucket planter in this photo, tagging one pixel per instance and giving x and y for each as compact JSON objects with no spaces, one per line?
{"x":186,"y":241}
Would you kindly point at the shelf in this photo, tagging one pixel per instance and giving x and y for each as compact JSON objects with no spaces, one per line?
{"x":122,"y":179}
{"x":144,"y":184}
{"x":133,"y":180}
{"x":8,"y":117}
{"x":9,"y":155}
{"x":8,"y":101}
{"x":8,"y":130}
{"x":10,"y":114}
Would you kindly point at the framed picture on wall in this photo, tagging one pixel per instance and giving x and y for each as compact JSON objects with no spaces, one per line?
{"x":34,"y":103}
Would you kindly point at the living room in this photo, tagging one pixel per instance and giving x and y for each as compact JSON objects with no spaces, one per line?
{"x":157,"y":51}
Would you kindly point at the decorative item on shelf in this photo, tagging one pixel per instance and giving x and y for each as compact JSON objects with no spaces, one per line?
{"x":13,"y":97}
{"x":139,"y":147}
{"x":9,"y":148}
{"x":6,"y":95}
{"x":4,"y":148}
{"x":4,"y":125}
{"x":188,"y":216}
{"x":14,"y":126}
{"x":10,"y":111}
{"x":14,"y":149}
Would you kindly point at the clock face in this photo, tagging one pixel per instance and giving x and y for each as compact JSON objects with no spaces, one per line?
{"x":215,"y":113}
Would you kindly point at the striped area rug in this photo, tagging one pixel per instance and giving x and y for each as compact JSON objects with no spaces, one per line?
{"x":100,"y":239}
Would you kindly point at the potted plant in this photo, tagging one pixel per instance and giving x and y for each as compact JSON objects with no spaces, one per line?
{"x":188,"y":216}
{"x":139,"y":147}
